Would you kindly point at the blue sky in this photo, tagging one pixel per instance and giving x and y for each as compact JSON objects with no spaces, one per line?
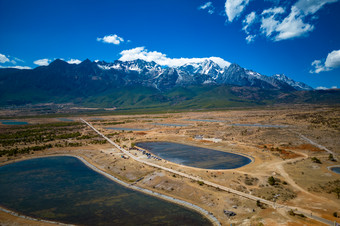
{"x":299,"y":38}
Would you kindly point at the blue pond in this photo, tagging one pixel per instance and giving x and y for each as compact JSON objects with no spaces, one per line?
{"x":195,"y":156}
{"x":203,"y":120}
{"x":64,"y":189}
{"x":65,"y":119}
{"x":125,"y":129}
{"x":167,"y":124}
{"x":10,"y":122}
{"x":260,"y":125}
{"x":336,"y":169}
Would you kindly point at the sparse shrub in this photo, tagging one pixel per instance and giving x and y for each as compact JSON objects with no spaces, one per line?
{"x":316,"y":160}
{"x":258,"y":203}
{"x":200,"y":183}
{"x":271,"y":181}
{"x":331,"y":158}
{"x":335,"y":214}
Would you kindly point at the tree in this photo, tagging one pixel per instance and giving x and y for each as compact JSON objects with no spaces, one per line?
{"x":331,"y":158}
{"x":316,"y":160}
{"x":271,"y":180}
{"x":258,"y":203}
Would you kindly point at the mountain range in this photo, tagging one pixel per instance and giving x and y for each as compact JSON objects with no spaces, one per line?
{"x":138,"y":83}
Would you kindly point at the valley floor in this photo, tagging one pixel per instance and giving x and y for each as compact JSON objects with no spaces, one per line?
{"x":285,"y":144}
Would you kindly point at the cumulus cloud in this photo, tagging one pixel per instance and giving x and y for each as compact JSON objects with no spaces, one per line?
{"x":332,"y":61}
{"x":269,"y":21}
{"x":293,"y":26}
{"x":208,"y":6}
{"x":17,"y":67}
{"x":311,"y":6}
{"x":288,"y":21}
{"x":296,"y":24}
{"x":74,"y":61}
{"x":247,"y":22}
{"x":325,"y":88}
{"x":161,"y":59}
{"x":42,"y":62}
{"x":234,"y":8}
{"x":250,"y":38}
{"x":112,"y":39}
{"x":3,"y":58}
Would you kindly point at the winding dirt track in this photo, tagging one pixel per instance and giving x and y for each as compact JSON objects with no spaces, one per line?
{"x":242,"y":194}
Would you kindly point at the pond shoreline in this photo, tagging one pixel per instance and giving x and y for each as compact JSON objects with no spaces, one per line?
{"x":188,"y":205}
{"x":249,"y":157}
{"x":335,"y":166}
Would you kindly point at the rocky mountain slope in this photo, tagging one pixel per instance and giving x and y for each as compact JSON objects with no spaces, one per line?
{"x":140,"y":83}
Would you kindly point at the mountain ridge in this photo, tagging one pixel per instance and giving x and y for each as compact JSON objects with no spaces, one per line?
{"x":129,"y":84}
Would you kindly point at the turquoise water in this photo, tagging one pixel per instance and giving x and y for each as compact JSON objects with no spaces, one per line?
{"x":9,"y":122}
{"x":336,"y":169}
{"x":65,"y":119}
{"x":64,"y":189}
{"x":203,"y":120}
{"x":195,"y":156}
{"x":125,"y":129}
{"x":167,"y":124}
{"x":260,"y":125}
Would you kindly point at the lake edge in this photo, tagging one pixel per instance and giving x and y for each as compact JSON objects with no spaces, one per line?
{"x":184,"y":204}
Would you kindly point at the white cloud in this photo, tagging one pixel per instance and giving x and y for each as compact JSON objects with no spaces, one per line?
{"x":278,"y":24}
{"x":311,"y":6}
{"x":17,"y":67}
{"x":234,"y":8}
{"x":249,"y":20}
{"x":3,"y":58}
{"x":209,"y":6}
{"x":112,"y":39}
{"x":276,"y":10}
{"x":318,"y":67}
{"x":161,"y":59}
{"x":333,"y":59}
{"x":325,"y":88}
{"x":269,"y":20}
{"x":293,"y":26}
{"x":332,"y":62}
{"x":42,"y":62}
{"x":17,"y":59}
{"x":250,"y":38}
{"x":74,"y":61}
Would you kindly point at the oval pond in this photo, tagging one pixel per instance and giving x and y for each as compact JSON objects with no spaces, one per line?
{"x":336,"y":169}
{"x":64,"y":189}
{"x":195,"y":156}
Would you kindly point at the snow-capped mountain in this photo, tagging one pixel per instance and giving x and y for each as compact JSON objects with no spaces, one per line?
{"x":200,"y":73}
{"x":291,"y":82}
{"x":207,"y":82}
